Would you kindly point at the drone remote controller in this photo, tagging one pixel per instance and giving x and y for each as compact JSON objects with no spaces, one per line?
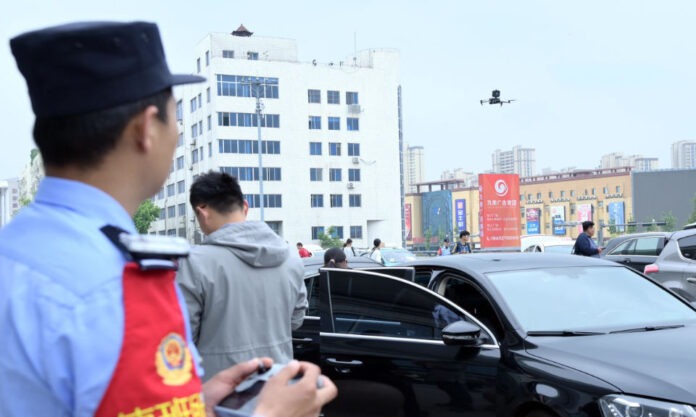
{"x":242,"y":401}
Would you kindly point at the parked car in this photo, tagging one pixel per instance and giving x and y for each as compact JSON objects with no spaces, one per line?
{"x":503,"y":335}
{"x":561,"y":246}
{"x":539,"y":242}
{"x":393,"y":256}
{"x":675,"y":265}
{"x":635,"y":250}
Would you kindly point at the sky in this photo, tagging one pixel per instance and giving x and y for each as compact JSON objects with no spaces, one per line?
{"x":589,"y":78}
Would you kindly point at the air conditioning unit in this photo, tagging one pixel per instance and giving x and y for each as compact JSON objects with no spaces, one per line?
{"x":350,"y":186}
{"x":191,"y":168}
{"x":356,"y":160}
{"x":354,"y":109}
{"x":193,"y":142}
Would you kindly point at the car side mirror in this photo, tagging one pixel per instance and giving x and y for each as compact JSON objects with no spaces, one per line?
{"x":461,"y":333}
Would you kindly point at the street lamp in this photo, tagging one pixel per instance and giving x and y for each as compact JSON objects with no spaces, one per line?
{"x":259,"y":108}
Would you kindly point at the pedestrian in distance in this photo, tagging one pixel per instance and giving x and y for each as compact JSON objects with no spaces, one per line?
{"x":584,"y":244}
{"x":304,"y":253}
{"x":463,"y":246}
{"x":335,"y":258}
{"x":445,"y":249}
{"x":376,"y":253}
{"x":242,"y":278}
{"x":92,"y":320}
{"x":349,"y":249}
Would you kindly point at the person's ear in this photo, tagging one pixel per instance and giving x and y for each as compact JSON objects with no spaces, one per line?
{"x":245,"y":209}
{"x":143,"y":128}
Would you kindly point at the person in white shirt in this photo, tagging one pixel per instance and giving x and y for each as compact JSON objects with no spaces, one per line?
{"x":348,"y":248}
{"x":375,"y":253}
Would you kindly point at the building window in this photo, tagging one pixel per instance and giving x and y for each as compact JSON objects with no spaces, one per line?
{"x":352,"y":97}
{"x":226,"y":53}
{"x":171,"y":212}
{"x":252,"y":173}
{"x":180,"y":140}
{"x":618,"y":188}
{"x":247,"y":120}
{"x":334,"y":123}
{"x":353,"y":123}
{"x":314,"y":122}
{"x":160,"y":195}
{"x":253,"y":56}
{"x":180,"y":163}
{"x":276,"y":227}
{"x":181,"y":187}
{"x":550,"y":194}
{"x":354,"y":200}
{"x":248,"y":146}
{"x":333,"y":97}
{"x":356,"y":232}
{"x":538,"y":196}
{"x":163,"y":213}
{"x":200,"y":127}
{"x":335,"y":174}
{"x":337,"y":232}
{"x":269,"y":200}
{"x":210,"y":149}
{"x":194,"y":104}
{"x":314,"y":96}
{"x":334,"y":148}
{"x":317,"y":231}
{"x":592,"y":191}
{"x":242,"y":86}
{"x":315,"y":148}
{"x":182,"y":209}
{"x":572,"y":193}
{"x":336,"y":200}
{"x":170,"y":190}
{"x":194,"y":156}
{"x":317,"y":200}
{"x":562,"y":193}
{"x":353,"y":174}
{"x":210,"y":122}
{"x":198,"y":65}
{"x":316,"y":174}
{"x":179,"y":111}
{"x":207,"y":58}
{"x":353,"y":149}
{"x":207,"y":95}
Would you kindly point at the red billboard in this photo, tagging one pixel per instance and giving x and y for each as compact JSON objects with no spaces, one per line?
{"x":499,"y":211}
{"x":407,"y":219}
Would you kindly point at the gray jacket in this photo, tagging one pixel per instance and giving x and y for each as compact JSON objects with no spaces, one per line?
{"x":245,"y":293}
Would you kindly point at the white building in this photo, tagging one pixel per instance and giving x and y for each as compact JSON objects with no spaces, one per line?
{"x":637,"y":162}
{"x":331,"y":140}
{"x":9,"y":200}
{"x":470,"y":178}
{"x":414,"y":167}
{"x":684,"y":154}
{"x":518,"y":160}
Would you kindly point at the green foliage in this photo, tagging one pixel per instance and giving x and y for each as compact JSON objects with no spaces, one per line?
{"x":33,"y":154}
{"x":671,"y":221}
{"x":630,"y":229}
{"x":652,"y":227}
{"x":147,"y":213}
{"x":428,"y":235}
{"x":327,"y":240}
{"x":612,"y":228}
{"x":24,"y":201}
{"x":692,"y":218}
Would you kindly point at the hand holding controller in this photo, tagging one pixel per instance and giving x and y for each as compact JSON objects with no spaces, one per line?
{"x":244,"y":399}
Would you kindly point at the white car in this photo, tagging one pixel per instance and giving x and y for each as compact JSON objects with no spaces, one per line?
{"x":546,"y":243}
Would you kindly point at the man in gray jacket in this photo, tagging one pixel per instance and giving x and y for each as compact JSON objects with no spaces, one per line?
{"x":243,"y":285}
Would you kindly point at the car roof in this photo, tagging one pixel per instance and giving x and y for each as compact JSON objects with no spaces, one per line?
{"x":312,"y":264}
{"x":482,"y":263}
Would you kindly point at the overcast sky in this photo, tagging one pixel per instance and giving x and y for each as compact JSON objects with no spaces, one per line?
{"x":589,"y":77}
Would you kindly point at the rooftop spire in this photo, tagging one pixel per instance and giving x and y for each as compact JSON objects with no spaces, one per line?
{"x":242,"y":31}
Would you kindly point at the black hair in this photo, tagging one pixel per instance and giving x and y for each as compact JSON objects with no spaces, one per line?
{"x":348,"y":242}
{"x":218,"y":190}
{"x":464,"y":233}
{"x":85,"y":139}
{"x":586,"y":225}
{"x":377,"y":242}
{"x":333,"y":257}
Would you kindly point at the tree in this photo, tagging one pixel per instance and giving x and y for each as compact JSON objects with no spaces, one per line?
{"x":631,"y":229}
{"x":671,"y":221}
{"x":147,"y":213}
{"x":328,"y":239}
{"x":428,"y":235}
{"x":652,"y":227}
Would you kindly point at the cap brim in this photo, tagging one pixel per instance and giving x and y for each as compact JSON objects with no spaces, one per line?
{"x":179,"y":79}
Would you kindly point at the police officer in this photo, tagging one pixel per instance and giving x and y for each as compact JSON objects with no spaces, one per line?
{"x":87,"y":327}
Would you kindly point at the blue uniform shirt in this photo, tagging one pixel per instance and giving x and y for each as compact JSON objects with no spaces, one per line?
{"x":61,"y":312}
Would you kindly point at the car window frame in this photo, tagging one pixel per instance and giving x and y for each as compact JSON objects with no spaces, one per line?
{"x":495,"y":343}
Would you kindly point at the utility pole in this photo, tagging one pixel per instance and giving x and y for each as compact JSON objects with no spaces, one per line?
{"x":259,"y":109}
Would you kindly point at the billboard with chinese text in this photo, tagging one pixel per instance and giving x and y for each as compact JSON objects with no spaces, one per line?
{"x":558,"y":219}
{"x":584,"y":212}
{"x":533,"y":216}
{"x":460,"y":214}
{"x":407,"y":221}
{"x":616,"y":215}
{"x":499,"y":211}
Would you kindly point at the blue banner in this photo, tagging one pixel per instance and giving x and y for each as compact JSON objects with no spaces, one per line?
{"x":616,"y":215}
{"x":460,"y":214}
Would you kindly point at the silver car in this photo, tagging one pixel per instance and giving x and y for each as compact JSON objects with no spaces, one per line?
{"x":675,"y":267}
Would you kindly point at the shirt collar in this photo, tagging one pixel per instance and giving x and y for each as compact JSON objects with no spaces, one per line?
{"x":84,"y":199}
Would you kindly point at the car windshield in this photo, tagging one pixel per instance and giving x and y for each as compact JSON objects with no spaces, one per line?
{"x":559,"y":248}
{"x":397,"y":255}
{"x":587,"y":298}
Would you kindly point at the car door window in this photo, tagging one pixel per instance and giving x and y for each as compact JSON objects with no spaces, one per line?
{"x":687,"y":247}
{"x":372,"y":304}
{"x":624,"y":248}
{"x":647,"y":246}
{"x":312,"y":284}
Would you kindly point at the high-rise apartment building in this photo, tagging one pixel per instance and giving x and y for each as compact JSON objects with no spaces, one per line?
{"x":637,"y":162}
{"x":518,"y":160}
{"x":331,"y":151}
{"x":9,"y":200}
{"x":684,"y":154}
{"x":414,"y":167}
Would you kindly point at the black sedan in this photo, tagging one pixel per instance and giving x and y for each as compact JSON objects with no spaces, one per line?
{"x":503,"y":335}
